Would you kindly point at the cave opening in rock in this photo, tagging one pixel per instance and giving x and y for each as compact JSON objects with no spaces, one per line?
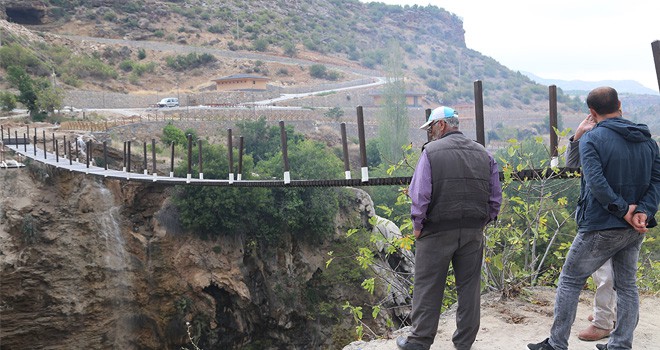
{"x":30,"y":16}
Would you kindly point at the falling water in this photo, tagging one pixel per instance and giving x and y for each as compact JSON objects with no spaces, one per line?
{"x":117,"y":270}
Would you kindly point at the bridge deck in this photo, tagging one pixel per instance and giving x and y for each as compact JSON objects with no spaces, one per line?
{"x":63,"y":163}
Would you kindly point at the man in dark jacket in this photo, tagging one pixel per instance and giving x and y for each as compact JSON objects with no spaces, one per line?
{"x":455,"y":192}
{"x":603,"y":317}
{"x":619,"y":197}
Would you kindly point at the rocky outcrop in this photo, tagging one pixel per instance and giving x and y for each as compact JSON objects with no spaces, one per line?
{"x":93,"y":264}
{"x":24,"y":12}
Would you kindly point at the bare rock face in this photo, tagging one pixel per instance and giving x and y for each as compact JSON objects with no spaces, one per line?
{"x":93,"y":264}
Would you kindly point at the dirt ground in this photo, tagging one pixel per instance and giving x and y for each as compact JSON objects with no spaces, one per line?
{"x":512,"y":324}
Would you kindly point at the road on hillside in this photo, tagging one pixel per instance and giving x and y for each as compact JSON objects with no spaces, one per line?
{"x":167,"y":47}
{"x":161,"y":46}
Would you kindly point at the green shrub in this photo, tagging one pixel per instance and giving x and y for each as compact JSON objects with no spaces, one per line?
{"x":7,"y":101}
{"x":318,"y":71}
{"x":190,"y":61}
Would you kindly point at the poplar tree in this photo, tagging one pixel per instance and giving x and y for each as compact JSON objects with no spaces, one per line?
{"x":393,"y":121}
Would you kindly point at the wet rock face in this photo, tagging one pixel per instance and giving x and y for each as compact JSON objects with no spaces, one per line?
{"x":88,"y":263}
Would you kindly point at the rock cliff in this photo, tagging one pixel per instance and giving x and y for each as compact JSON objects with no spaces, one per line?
{"x":99,"y":264}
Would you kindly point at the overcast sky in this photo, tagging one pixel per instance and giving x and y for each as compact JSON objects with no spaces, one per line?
{"x":562,"y":39}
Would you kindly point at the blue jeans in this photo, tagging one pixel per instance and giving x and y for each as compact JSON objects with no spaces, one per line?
{"x":589,"y":251}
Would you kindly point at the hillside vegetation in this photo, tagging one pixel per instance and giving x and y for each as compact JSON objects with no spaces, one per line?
{"x":348,"y":34}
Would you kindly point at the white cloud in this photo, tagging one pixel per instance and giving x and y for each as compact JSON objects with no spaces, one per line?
{"x":562,"y":39}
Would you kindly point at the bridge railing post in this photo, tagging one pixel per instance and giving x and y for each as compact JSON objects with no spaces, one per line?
{"x":285,"y":157}
{"x":199,"y":159}
{"x":124,"y":168}
{"x":479,"y":112}
{"x":363,"y":145}
{"x":554,"y":160}
{"x":144,"y":164}
{"x":189,"y":174}
{"x":154,"y":171}
{"x":172,"y":159}
{"x":230,"y":155}
{"x":239,"y":175}
{"x":105,"y":155}
{"x":344,"y":145}
{"x":655,"y":47}
{"x":44,"y":141}
{"x":128,"y":159}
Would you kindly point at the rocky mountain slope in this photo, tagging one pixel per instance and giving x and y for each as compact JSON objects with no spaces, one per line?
{"x":346,"y":34}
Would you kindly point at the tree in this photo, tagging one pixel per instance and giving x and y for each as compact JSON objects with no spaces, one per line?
{"x":19,"y":79}
{"x":7,"y":101}
{"x":393,"y":125}
{"x":172,"y":134}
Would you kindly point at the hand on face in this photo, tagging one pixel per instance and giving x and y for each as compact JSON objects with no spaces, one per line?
{"x":587,"y":124}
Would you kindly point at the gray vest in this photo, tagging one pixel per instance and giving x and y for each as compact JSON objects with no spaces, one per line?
{"x":461,"y":190}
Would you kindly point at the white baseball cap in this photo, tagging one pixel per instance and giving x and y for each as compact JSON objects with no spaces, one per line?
{"x":441,"y":112}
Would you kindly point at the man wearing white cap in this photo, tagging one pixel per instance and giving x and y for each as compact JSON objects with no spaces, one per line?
{"x":455,"y":192}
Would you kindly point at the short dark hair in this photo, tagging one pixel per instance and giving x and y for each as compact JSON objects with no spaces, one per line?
{"x":603,"y":100}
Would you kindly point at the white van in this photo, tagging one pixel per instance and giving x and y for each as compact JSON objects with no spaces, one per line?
{"x":169,"y":102}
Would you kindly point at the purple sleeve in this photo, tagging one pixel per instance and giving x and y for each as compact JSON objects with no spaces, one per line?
{"x":495,"y":200}
{"x":420,"y":191}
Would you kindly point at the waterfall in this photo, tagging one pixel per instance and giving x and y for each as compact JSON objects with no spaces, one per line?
{"x":116,"y":263}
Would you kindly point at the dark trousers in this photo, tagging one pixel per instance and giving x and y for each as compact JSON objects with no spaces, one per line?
{"x":433,"y":253}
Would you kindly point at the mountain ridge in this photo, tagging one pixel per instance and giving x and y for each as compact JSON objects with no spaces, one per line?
{"x":622,"y":86}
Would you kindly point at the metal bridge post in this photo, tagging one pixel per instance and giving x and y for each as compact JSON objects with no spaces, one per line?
{"x":8,"y":136}
{"x":239,"y":175}
{"x":64,"y":145}
{"x":144,"y":164}
{"x":16,"y":138}
{"x":128,"y":159}
{"x":199,"y":159}
{"x":363,"y":144}
{"x":57,"y":151}
{"x":230,"y":155}
{"x":285,"y":156}
{"x":44,"y":134}
{"x":35,"y":145}
{"x":25,"y":139}
{"x":87,"y":155}
{"x":344,"y":144}
{"x":479,"y":111}
{"x":124,"y":169}
{"x":655,"y":47}
{"x":154,"y":171}
{"x":172,"y":159}
{"x":105,"y":155}
{"x":189,"y":158}
{"x":554,"y":160}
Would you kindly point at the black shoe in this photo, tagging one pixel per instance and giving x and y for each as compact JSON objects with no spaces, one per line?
{"x":403,"y":344}
{"x":544,"y":345}
{"x":601,"y":346}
